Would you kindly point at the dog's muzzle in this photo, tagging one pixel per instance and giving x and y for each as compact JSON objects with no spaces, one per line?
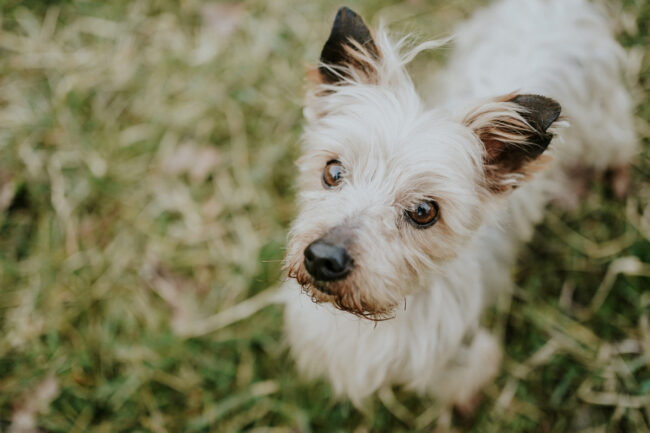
{"x":327,"y":262}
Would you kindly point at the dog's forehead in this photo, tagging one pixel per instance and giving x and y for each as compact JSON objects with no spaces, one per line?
{"x":373,"y":117}
{"x":381,"y":137}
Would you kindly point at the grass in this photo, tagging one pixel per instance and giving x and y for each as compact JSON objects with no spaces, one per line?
{"x":146,"y":164}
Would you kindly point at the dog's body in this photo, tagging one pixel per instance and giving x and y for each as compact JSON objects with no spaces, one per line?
{"x":432,"y":283}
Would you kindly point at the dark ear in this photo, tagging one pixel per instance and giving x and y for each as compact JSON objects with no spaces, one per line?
{"x":349,"y":44}
{"x":540,"y":113}
{"x":514,"y":130}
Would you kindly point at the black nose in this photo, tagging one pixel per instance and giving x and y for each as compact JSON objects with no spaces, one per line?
{"x":327,"y":262}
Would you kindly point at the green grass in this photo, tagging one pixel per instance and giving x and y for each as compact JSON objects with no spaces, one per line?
{"x":146,"y":170}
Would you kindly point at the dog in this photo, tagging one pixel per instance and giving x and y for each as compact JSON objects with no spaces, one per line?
{"x":411,"y":208}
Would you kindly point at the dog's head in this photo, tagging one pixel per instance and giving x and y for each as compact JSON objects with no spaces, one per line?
{"x":390,"y":191}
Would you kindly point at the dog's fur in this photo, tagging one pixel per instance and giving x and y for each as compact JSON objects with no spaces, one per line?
{"x":478,"y":154}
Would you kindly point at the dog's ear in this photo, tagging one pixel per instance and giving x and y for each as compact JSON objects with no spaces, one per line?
{"x":515,"y":132}
{"x":350,"y":51}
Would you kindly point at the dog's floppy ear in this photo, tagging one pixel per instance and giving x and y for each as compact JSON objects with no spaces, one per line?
{"x":350,"y":51}
{"x":514,"y":131}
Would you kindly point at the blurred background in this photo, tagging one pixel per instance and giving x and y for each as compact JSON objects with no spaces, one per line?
{"x":146,"y":170}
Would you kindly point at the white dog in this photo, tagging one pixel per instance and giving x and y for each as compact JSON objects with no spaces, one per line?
{"x":411,"y":216}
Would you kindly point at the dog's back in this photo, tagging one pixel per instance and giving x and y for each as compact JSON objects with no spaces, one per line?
{"x":559,"y":48}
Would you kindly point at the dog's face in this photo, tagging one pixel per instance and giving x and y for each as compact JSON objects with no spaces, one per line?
{"x":389,"y":191}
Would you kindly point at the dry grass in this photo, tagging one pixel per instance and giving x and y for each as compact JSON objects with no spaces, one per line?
{"x":146,"y":163}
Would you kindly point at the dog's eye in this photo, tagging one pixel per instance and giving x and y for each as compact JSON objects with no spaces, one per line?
{"x":425,"y":214}
{"x":333,"y":174}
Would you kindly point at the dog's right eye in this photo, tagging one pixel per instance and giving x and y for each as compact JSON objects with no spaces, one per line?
{"x":332,"y":174}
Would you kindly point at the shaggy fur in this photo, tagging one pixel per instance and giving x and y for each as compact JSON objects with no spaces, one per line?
{"x":477,"y":154}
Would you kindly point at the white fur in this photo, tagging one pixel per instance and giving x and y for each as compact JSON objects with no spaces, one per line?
{"x":396,"y":150}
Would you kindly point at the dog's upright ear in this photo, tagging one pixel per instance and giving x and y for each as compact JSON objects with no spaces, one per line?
{"x":515,"y":132}
{"x":350,"y":52}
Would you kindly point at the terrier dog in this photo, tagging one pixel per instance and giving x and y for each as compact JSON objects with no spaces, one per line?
{"x":410,"y":216}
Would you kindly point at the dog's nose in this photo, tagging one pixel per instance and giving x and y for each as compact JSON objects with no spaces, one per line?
{"x":327,"y":262}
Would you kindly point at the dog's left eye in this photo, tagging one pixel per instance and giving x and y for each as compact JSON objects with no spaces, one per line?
{"x":425,"y":214}
{"x":333,"y":174}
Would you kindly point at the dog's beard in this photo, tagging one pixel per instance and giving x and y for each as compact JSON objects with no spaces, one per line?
{"x":345,"y":295}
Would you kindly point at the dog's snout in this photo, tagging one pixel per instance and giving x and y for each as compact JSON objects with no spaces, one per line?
{"x":327,"y":262}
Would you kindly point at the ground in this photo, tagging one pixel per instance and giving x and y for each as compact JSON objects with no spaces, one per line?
{"x":146,"y":170}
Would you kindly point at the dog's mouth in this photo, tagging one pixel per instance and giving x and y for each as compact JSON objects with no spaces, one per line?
{"x":343,"y":295}
{"x":322,"y":287}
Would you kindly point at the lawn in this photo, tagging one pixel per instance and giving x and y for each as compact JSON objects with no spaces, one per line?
{"x":146,"y":171}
